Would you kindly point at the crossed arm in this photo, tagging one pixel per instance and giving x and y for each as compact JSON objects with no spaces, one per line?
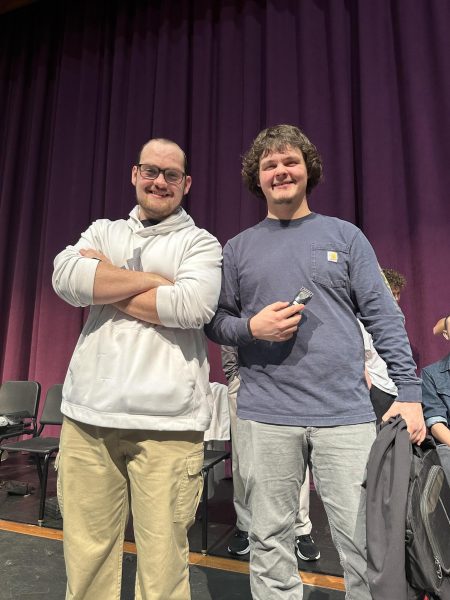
{"x":132,"y":292}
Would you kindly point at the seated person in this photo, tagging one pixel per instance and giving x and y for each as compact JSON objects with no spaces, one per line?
{"x":436,"y":401}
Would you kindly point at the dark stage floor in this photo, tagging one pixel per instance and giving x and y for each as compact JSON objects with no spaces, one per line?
{"x":32,"y":568}
{"x":22,"y":509}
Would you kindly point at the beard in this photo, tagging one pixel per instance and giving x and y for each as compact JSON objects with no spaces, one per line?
{"x":280,"y":201}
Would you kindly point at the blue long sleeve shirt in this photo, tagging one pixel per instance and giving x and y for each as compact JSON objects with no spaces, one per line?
{"x":436,"y":392}
{"x":317,"y":377}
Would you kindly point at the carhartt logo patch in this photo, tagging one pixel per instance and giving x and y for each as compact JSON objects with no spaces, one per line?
{"x":332,"y":256}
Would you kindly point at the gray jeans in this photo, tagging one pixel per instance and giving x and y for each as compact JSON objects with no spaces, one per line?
{"x":303,"y":525}
{"x":273,"y":459}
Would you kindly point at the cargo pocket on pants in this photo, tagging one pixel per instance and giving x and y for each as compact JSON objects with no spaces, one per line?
{"x":190,"y":488}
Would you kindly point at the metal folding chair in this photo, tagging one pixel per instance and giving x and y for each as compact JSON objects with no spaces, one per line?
{"x":19,"y":400}
{"x":43,"y":448}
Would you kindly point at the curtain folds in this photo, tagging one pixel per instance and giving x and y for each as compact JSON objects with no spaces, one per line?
{"x":84,"y":84}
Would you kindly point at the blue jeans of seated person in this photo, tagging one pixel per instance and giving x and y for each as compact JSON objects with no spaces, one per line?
{"x":273,"y":459}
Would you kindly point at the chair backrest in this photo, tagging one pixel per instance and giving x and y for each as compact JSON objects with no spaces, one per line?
{"x":20,"y":397}
{"x":51,"y":413}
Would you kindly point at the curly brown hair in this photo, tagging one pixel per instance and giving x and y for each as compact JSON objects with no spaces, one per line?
{"x":395,"y":279}
{"x":277,"y":139}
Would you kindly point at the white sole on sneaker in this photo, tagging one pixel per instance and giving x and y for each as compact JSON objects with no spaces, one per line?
{"x":300,"y":555}
{"x":240,"y":552}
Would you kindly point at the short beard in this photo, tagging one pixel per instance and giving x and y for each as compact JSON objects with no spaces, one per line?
{"x":283,"y":201}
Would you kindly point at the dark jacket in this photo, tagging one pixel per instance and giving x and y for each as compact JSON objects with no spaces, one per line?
{"x":388,"y":473}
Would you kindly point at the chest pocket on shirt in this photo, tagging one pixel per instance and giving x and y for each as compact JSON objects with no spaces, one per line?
{"x":329,"y":264}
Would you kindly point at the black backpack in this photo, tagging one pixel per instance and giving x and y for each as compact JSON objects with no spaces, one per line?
{"x":428,"y":524}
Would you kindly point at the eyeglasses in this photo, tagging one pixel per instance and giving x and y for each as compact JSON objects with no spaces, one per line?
{"x":152,"y":172}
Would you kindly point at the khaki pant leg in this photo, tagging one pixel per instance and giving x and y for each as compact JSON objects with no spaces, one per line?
{"x":92,"y":490}
{"x":164,"y":469}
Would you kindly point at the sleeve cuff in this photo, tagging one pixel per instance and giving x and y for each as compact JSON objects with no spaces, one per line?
{"x":433,"y":420}
{"x":241,"y":332}
{"x":85,"y":277}
{"x":164,"y":306}
{"x":409,"y":393}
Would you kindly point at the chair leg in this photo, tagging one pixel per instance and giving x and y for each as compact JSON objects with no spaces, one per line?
{"x":37,"y":460}
{"x":43,"y":490}
{"x":205,"y":512}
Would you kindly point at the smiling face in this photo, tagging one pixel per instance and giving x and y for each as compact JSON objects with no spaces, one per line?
{"x":158,"y":199}
{"x":283,"y":179}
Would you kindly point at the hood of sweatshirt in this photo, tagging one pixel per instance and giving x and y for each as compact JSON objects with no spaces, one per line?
{"x":176,"y":221}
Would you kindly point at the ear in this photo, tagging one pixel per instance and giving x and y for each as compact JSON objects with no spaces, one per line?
{"x":134,"y":171}
{"x":187,"y":184}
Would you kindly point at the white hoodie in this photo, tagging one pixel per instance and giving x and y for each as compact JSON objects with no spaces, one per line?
{"x":126,"y":373}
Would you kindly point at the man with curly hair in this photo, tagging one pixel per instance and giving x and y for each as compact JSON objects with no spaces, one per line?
{"x":303,"y":398}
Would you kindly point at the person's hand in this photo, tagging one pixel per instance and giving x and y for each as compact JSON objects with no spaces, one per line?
{"x":93,"y":253}
{"x":277,"y":322}
{"x":413,"y":415}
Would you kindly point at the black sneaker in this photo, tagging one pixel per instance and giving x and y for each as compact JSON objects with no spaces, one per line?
{"x":239,"y":545}
{"x":305,"y":548}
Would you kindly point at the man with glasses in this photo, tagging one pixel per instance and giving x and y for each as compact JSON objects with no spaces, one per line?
{"x":136,"y":398}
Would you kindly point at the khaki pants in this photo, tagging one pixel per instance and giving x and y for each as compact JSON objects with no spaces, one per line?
{"x":101,"y":474}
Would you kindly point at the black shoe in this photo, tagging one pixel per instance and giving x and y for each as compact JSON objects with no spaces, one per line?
{"x":305,"y":548}
{"x":239,"y":545}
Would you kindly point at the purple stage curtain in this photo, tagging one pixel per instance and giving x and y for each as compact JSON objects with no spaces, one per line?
{"x":83,"y":84}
